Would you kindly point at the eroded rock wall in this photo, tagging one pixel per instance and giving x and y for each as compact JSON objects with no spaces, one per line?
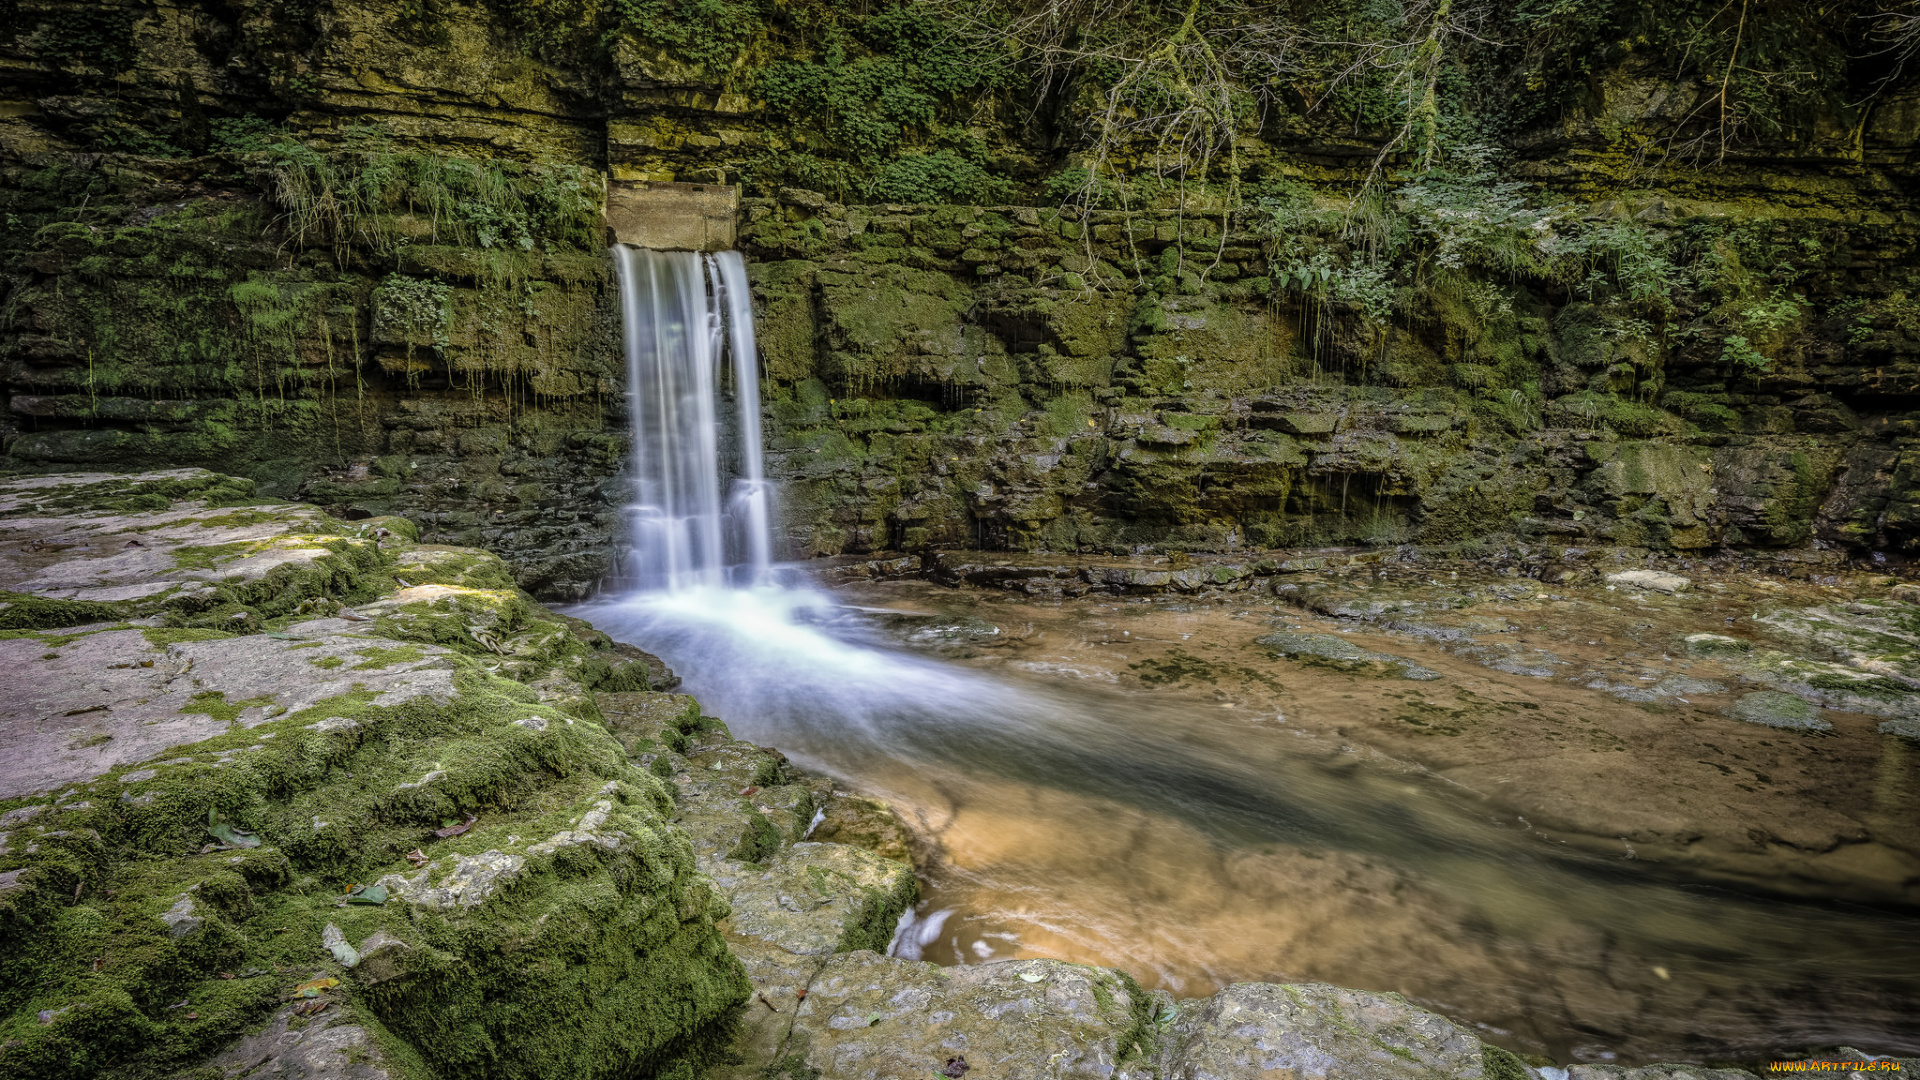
{"x":955,"y":377}
{"x":354,"y":252}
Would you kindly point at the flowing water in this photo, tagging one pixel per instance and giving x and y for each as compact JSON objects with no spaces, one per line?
{"x":682,"y":311}
{"x":1136,"y":785}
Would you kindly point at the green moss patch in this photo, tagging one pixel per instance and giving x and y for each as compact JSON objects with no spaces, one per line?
{"x":214,"y":703}
{"x":149,"y":492}
{"x":610,"y":945}
{"x":19,"y":611}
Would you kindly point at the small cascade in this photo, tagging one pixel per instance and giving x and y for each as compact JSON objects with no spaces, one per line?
{"x":683,"y":315}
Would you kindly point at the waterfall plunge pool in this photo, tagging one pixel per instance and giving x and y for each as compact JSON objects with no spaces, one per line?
{"x":1139,"y":784}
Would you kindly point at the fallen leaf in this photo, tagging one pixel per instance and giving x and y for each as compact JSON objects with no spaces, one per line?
{"x":417,"y":857}
{"x":744,"y":792}
{"x":312,"y":988}
{"x":336,"y":943}
{"x":193,"y":1016}
{"x":956,"y":1067}
{"x":226,"y":974}
{"x":309,"y":1008}
{"x":233,"y":835}
{"x":1031,"y":976}
{"x":872,"y":1019}
{"x":455,"y":830}
{"x":374,"y":895}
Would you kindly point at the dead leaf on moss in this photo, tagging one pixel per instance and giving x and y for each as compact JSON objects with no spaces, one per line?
{"x":455,"y":830}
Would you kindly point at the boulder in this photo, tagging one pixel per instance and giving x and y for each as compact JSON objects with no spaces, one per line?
{"x":869,"y":1017}
{"x":1251,"y":1031}
{"x":1650,"y":580}
{"x":1775,"y":709}
{"x":234,"y":781}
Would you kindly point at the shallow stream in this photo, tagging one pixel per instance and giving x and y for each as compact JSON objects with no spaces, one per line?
{"x":1532,"y":813}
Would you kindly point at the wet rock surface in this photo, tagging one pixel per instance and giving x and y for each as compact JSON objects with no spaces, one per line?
{"x":1336,"y":651}
{"x":1775,"y":709}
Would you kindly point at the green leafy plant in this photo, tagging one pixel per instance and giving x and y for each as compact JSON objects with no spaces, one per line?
{"x":708,"y":33}
{"x":1739,"y":352}
{"x":243,"y":135}
{"x":939,"y":177}
{"x":872,"y":87}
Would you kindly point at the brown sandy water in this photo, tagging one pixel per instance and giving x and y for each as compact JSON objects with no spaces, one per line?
{"x":1563,"y":838}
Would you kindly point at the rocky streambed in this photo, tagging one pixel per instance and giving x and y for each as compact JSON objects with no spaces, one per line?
{"x":1625,"y":814}
{"x":285,"y":796}
{"x":1640,"y":814}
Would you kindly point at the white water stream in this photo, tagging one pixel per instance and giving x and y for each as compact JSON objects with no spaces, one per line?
{"x":683,"y":313}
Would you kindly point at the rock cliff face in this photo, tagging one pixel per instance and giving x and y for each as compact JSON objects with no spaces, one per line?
{"x":353,"y":252}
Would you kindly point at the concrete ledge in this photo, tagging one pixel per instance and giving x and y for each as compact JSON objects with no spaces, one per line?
{"x":671,"y":216}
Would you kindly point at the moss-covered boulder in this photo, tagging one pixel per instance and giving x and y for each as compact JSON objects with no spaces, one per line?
{"x":396,"y":807}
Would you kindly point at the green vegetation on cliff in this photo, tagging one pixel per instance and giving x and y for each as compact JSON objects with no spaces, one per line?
{"x":1412,"y":273}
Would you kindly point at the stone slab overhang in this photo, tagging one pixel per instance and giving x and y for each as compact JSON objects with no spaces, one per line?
{"x":672,"y":216}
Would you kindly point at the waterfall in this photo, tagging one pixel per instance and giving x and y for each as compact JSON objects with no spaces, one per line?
{"x":682,"y":314}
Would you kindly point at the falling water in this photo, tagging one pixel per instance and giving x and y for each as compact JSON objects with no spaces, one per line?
{"x":683,"y":312}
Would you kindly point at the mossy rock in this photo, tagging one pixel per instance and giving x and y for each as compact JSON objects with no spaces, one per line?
{"x":557,"y":924}
{"x":1717,"y":645}
{"x":1775,"y":709}
{"x":439,"y":564}
{"x":19,"y":611}
{"x":649,"y":722}
{"x":591,"y":895}
{"x":864,"y":823}
{"x":816,"y":899}
{"x":1332,"y":650}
